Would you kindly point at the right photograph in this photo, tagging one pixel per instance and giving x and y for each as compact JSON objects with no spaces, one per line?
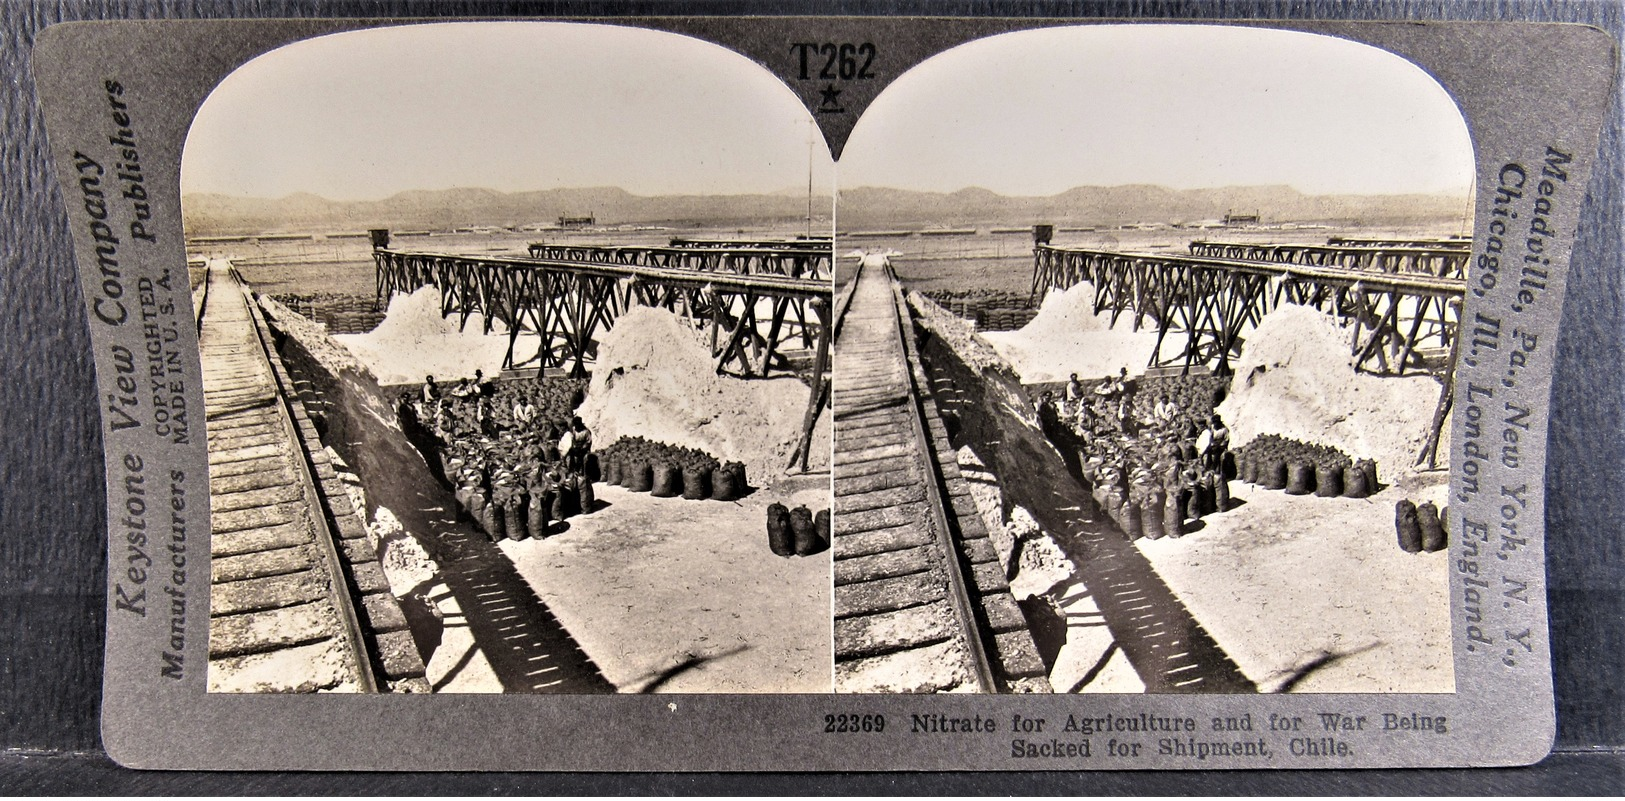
{"x":1143,"y":361}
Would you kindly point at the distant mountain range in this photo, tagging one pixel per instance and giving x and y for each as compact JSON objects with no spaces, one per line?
{"x":862,"y":208}
{"x":868,"y":207}
{"x":212,"y":214}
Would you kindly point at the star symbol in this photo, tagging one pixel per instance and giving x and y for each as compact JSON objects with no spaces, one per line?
{"x":831,"y":101}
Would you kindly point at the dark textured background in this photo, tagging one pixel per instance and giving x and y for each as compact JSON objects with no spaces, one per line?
{"x":52,"y":530}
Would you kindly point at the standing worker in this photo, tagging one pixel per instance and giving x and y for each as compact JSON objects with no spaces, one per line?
{"x":579,"y":445}
{"x":1213,"y":443}
{"x":567,"y":443}
{"x":1074,"y":393}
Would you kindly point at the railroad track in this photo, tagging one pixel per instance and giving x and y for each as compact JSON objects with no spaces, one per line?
{"x":921,"y":602}
{"x":282,"y":616}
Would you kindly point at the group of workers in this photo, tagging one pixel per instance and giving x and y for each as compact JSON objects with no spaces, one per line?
{"x":1151,"y":442}
{"x":514,"y":452}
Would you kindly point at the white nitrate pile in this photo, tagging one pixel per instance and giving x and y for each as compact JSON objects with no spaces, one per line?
{"x":1296,"y":378}
{"x":414,"y":341}
{"x":656,"y":379}
{"x":1066,"y":336}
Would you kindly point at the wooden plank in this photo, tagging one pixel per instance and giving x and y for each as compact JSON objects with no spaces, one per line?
{"x":881,"y":540}
{"x":856,"y":522}
{"x":887,"y":594}
{"x":887,"y":564}
{"x":892,"y":631}
{"x":240,"y":635}
{"x":260,"y":564}
{"x":271,"y":592}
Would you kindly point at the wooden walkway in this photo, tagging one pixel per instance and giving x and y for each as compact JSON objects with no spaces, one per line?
{"x":280,"y":617}
{"x":921,"y":603}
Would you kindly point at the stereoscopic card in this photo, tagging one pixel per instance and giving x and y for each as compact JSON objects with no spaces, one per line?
{"x":797,"y":393}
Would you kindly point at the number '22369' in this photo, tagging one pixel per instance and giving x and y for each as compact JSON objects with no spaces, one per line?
{"x":845,"y":61}
{"x":846,"y":724}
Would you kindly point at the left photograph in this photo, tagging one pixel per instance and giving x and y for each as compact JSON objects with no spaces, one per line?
{"x":515,"y":343}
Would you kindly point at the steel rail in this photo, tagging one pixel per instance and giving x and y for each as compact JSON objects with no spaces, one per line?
{"x":958,"y":589}
{"x":339,"y":584}
{"x":1446,"y":244}
{"x":845,"y":302}
{"x":698,"y":248}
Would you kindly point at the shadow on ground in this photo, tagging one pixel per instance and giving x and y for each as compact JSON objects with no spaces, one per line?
{"x":528,"y":649}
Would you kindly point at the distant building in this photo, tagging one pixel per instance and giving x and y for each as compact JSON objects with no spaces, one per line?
{"x":566,"y":221}
{"x":1241,"y":219}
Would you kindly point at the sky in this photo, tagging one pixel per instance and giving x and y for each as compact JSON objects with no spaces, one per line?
{"x":524,"y":106}
{"x":1038,"y":112}
{"x":505,"y":106}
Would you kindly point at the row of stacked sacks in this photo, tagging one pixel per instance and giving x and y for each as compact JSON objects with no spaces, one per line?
{"x":668,"y":471}
{"x":1275,"y":462}
{"x":1137,"y":449}
{"x":517,"y":507}
{"x":1002,"y":319}
{"x":797,"y":532}
{"x":341,"y":314}
{"x":468,"y":427}
{"x":462,"y":412}
{"x":554,"y":399}
{"x":306,"y":303}
{"x":990,"y":309}
{"x":1421,"y":527}
{"x":505,"y":468}
{"x":509,"y":453}
{"x":1154,"y":510}
{"x":1193,"y":395}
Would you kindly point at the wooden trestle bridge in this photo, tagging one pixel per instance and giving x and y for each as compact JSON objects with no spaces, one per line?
{"x":1445,"y":259}
{"x":1450,"y":242}
{"x":821,"y":244}
{"x":711,"y":256}
{"x":1404,"y":302}
{"x":564,"y":296}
